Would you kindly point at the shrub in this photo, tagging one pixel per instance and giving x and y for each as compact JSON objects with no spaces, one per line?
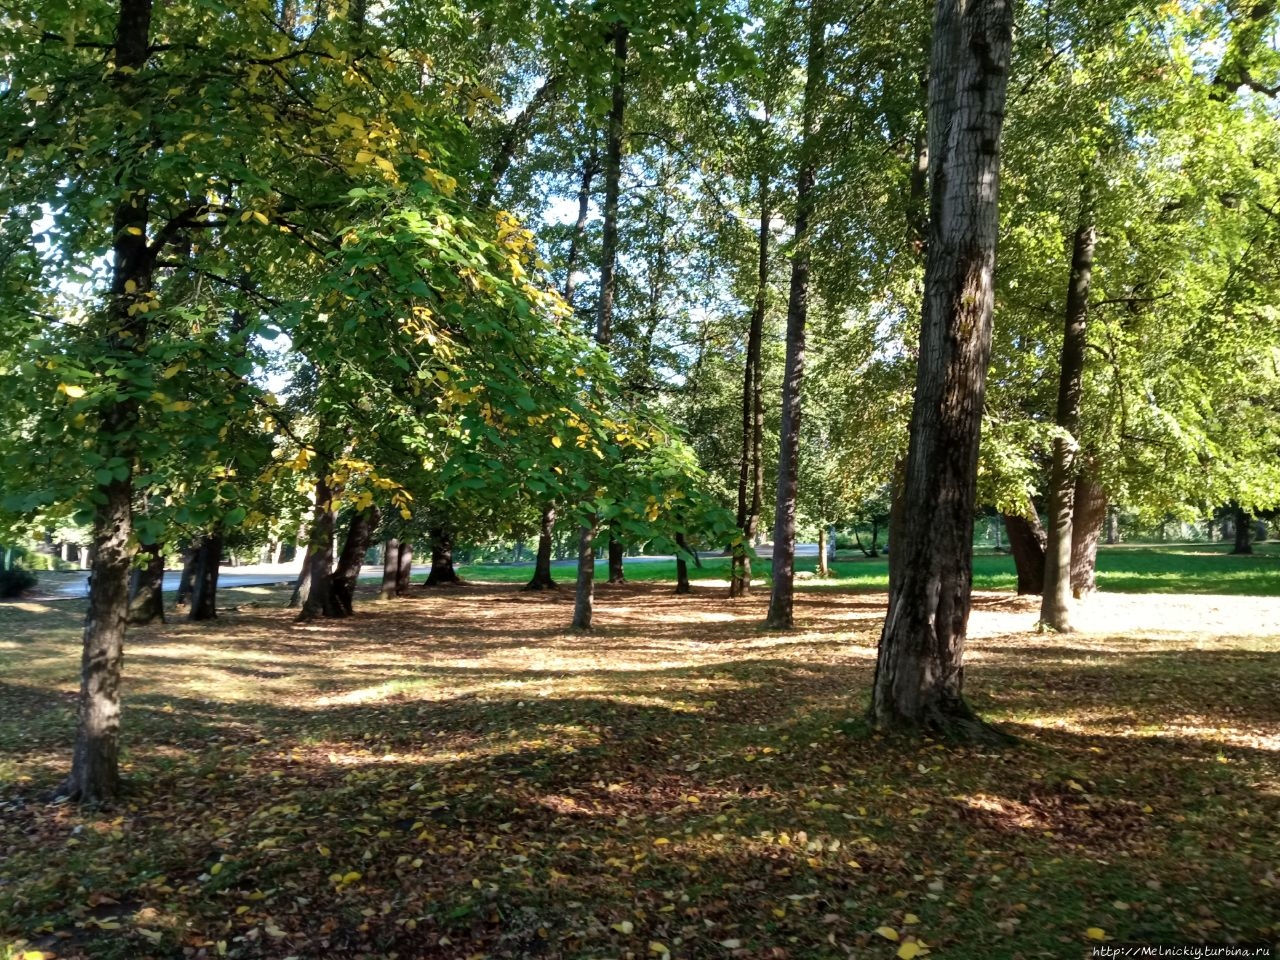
{"x":16,"y":581}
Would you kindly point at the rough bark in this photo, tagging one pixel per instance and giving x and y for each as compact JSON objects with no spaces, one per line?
{"x":146,"y":588}
{"x":95,"y":771}
{"x":1026,"y":543}
{"x":1086,"y":531}
{"x":347,"y":574}
{"x":390,"y":568}
{"x":1244,"y":533}
{"x":585,"y":590}
{"x":782,"y":599}
{"x":442,"y":573}
{"x":541,"y":579}
{"x":204,"y":581}
{"x":404,"y":568}
{"x":919,"y":675}
{"x":1055,"y":606}
{"x":320,"y":601}
{"x":750,"y":463}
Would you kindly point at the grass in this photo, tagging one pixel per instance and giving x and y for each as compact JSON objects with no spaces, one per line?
{"x":457,"y":775}
{"x":1182,"y":568}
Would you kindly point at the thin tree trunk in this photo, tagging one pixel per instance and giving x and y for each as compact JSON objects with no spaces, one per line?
{"x":95,"y":758}
{"x":204,"y":587}
{"x":146,"y":588}
{"x":585,"y":591}
{"x":824,"y":571}
{"x":682,"y":565}
{"x":442,"y":572}
{"x":390,"y":568}
{"x":1086,"y":531}
{"x":319,"y":602}
{"x":404,"y":569}
{"x":541,"y":579}
{"x":750,"y":463}
{"x":347,"y":574}
{"x":1113,"y":525}
{"x":590,"y":166}
{"x":1055,"y":606}
{"x":782,"y":599}
{"x":1244,"y":533}
{"x":919,"y":674}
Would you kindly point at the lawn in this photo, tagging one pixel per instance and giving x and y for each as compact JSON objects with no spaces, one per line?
{"x":1179,"y":568}
{"x":457,"y":775}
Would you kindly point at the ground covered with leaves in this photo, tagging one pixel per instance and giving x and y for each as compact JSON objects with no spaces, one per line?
{"x":457,"y":775}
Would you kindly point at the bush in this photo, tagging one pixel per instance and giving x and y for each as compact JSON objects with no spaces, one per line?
{"x":16,"y":581}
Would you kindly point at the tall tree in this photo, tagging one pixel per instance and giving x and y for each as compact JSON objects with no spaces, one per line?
{"x":781,"y":600}
{"x":585,"y":594}
{"x":1055,"y":608}
{"x":919,"y":677}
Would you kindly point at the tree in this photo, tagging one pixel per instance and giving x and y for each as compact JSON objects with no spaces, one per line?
{"x":781,"y":600}
{"x":918,"y":679}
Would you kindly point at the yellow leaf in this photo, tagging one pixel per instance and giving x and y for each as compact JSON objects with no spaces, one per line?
{"x":32,"y":955}
{"x":658,"y":948}
{"x":624,"y":926}
{"x":215,"y":869}
{"x":130,"y":286}
{"x":908,"y":950}
{"x":260,"y":217}
{"x":71,"y":390}
{"x":38,"y":94}
{"x":887,"y":932}
{"x":351,"y":877}
{"x":661,"y":842}
{"x":556,"y":442}
{"x":134,"y":231}
{"x":1096,"y":933}
{"x":910,"y":918}
{"x":364,"y":156}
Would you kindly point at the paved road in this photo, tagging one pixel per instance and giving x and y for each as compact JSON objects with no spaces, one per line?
{"x":267,"y":576}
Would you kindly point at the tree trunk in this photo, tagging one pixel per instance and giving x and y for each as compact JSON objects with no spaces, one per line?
{"x":1113,"y":525}
{"x":319,"y":602}
{"x":782,"y":599}
{"x":585,"y":592}
{"x":204,"y":583}
{"x":541,"y":579}
{"x":1244,"y":533}
{"x":824,"y":570}
{"x":1086,"y":531}
{"x":302,"y":583}
{"x":1026,"y":543}
{"x":390,"y":568}
{"x":750,"y":463}
{"x":442,"y":572}
{"x":347,"y":575}
{"x":682,"y":565}
{"x":590,"y":166}
{"x":897,"y":522}
{"x":404,"y":568}
{"x":1055,"y":606}
{"x":584,"y":595}
{"x":95,"y":770}
{"x":919,"y":675}
{"x":146,"y":588}
{"x":186,"y":579}
{"x":616,"y":554}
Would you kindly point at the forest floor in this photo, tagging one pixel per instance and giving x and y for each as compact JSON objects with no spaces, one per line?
{"x":457,"y":775}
